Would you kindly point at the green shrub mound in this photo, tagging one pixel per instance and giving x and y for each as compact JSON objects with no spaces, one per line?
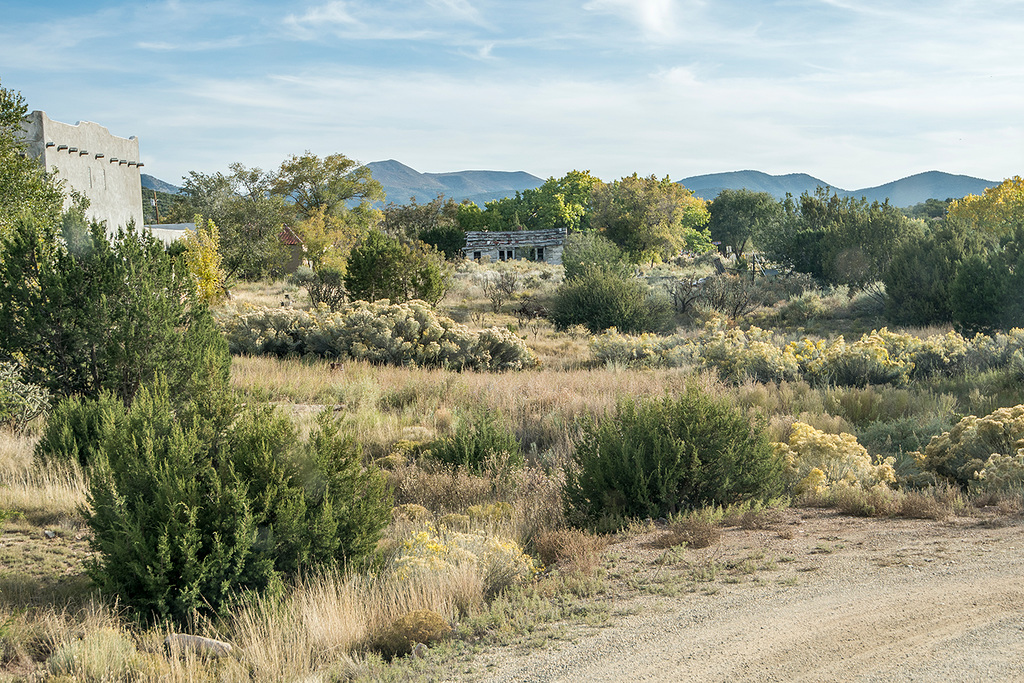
{"x":191,"y":509}
{"x":475,"y":442}
{"x":656,"y":458}
{"x":380,"y":332}
{"x":77,"y":429}
{"x":600,"y":298}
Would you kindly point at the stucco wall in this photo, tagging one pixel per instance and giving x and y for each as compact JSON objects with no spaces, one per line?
{"x":103,"y":167}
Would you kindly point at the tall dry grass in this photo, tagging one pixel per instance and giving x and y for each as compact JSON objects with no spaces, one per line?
{"x":44,"y":496}
{"x":376,"y":403}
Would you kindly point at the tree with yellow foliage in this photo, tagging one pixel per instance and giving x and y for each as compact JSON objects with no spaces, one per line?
{"x":996,"y":211}
{"x":329,"y":239}
{"x":203,"y":260}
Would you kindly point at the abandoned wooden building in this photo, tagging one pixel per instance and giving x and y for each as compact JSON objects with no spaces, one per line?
{"x":531,"y":245}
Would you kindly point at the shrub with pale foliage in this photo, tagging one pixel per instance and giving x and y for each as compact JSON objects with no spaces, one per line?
{"x":499,"y":560}
{"x":881,"y":357}
{"x":380,"y":332}
{"x":991,"y":444}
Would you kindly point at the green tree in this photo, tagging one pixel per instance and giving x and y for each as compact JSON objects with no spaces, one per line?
{"x":558,"y":203}
{"x":383,"y":267}
{"x":248,"y":217}
{"x":87,"y":314}
{"x":837,"y":240}
{"x":986,"y":296}
{"x":331,"y":184}
{"x":738,"y":215}
{"x":25,"y":186}
{"x":435,"y":223}
{"x":919,"y":277}
{"x":650,"y":219}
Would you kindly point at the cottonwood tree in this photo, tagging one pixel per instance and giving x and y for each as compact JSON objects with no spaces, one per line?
{"x":738,"y":215}
{"x":997,"y":211}
{"x":558,"y":203}
{"x":248,"y":216}
{"x":649,"y":218}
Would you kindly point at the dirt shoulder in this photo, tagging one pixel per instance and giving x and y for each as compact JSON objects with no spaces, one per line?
{"x":816,"y":596}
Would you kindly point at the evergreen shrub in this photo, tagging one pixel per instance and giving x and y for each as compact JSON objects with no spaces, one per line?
{"x":77,"y":429}
{"x":476,"y":442}
{"x":191,"y":510}
{"x":656,"y":458}
{"x":599,"y":299}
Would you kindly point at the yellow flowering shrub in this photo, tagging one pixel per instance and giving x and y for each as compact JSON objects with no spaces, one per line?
{"x":204,"y":261}
{"x":964,"y":451}
{"x":436,"y":549}
{"x":752,"y":354}
{"x":1003,"y":472}
{"x":881,"y":357}
{"x":818,"y":461}
{"x":645,"y":350}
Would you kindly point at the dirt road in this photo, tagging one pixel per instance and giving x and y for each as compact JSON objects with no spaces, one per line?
{"x":815,"y":597}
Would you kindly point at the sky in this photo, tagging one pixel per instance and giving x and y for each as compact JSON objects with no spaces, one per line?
{"x":854,"y":92}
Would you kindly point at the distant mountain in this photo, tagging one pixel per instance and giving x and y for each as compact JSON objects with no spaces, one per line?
{"x":151,"y":183}
{"x":401,"y":182}
{"x":904,"y":192}
{"x":930,"y":185}
{"x":708,"y":186}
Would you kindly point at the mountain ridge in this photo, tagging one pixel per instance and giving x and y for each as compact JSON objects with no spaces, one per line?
{"x":904,"y":192}
{"x":402,"y":182}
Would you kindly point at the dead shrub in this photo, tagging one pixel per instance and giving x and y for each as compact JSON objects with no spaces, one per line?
{"x":877,"y":501}
{"x":421,"y":626}
{"x":759,"y":519}
{"x":572,"y":550}
{"x":927,"y":504}
{"x":693,"y":532}
{"x":439,"y":489}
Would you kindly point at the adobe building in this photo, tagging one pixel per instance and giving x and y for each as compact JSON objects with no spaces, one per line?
{"x":101,"y":166}
{"x":533,"y":245}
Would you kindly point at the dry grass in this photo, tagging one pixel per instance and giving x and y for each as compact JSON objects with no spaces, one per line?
{"x":44,"y":497}
{"x":377,"y":403}
{"x":692,"y":531}
{"x":572,"y":550}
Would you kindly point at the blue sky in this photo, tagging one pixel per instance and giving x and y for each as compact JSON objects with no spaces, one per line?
{"x":855,"y":92}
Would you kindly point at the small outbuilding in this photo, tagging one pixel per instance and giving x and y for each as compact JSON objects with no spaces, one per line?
{"x":530,"y":245}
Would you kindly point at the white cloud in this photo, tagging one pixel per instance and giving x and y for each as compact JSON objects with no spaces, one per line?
{"x":459,"y":9}
{"x":331,"y":17}
{"x":660,"y":20}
